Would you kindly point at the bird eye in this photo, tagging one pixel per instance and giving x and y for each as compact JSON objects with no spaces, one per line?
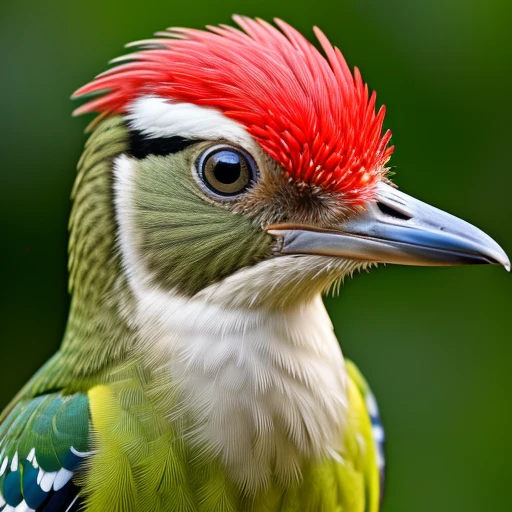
{"x":226,"y":171}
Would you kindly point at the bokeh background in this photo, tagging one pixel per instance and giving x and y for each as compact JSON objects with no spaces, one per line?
{"x":434,"y":343}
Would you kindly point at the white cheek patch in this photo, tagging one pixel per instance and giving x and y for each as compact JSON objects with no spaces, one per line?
{"x":158,"y":117}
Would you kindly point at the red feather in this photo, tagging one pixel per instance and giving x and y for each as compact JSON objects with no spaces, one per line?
{"x":307,"y":112}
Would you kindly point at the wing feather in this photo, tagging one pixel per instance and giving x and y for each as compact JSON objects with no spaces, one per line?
{"x":43,"y":440}
{"x":367,"y":407}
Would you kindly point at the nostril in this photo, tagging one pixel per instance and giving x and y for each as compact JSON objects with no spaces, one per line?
{"x":388,"y":210}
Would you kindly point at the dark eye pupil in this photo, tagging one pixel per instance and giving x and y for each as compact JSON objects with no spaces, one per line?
{"x":226,"y":167}
{"x":226,"y":171}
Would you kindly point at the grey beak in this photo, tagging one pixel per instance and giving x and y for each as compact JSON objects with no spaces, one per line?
{"x":396,"y":228}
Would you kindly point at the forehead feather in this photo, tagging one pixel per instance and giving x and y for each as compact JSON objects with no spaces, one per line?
{"x":306,"y":111}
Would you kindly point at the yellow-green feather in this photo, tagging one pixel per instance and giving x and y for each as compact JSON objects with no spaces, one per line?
{"x":146,"y":461}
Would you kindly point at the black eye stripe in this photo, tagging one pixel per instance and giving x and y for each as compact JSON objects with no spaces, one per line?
{"x":142,"y":146}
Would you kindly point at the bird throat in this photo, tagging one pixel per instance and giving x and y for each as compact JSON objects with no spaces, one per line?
{"x":266,"y":389}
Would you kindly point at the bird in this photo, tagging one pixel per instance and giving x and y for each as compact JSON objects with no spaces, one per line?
{"x":232,"y":175}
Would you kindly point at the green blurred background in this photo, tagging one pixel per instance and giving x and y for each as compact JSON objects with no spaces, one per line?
{"x":434,"y":343}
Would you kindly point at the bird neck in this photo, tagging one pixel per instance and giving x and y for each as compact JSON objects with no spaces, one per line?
{"x":266,"y":388}
{"x":98,"y":333}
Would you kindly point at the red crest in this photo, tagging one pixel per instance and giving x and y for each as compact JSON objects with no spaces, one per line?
{"x":306,"y":111}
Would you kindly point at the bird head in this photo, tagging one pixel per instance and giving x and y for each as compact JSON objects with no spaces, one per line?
{"x":251,"y":168}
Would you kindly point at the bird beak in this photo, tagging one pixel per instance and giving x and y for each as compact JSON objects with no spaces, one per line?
{"x":395,"y":228}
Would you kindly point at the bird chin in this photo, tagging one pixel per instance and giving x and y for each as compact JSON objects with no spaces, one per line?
{"x":283,"y":281}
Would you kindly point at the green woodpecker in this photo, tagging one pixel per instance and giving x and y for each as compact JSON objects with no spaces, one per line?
{"x":231,"y":177}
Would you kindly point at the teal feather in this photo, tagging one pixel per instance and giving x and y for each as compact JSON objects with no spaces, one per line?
{"x":39,"y":433}
{"x":32,"y":492}
{"x":12,"y":489}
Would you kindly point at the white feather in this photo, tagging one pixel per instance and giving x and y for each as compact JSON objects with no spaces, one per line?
{"x":378,"y":433}
{"x":23,"y":507}
{"x":14,"y":462}
{"x":40,"y":476}
{"x":31,"y":455}
{"x":159,"y":117}
{"x":4,"y":465}
{"x":74,"y":451}
{"x":371,"y":405}
{"x":46,"y":483}
{"x":71,"y":504}
{"x":62,"y":478}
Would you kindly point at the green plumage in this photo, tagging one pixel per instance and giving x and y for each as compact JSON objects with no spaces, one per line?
{"x":144,"y":461}
{"x":188,"y":252}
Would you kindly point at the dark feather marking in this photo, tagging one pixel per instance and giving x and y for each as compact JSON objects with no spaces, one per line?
{"x":141,"y":146}
{"x":63,"y":500}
